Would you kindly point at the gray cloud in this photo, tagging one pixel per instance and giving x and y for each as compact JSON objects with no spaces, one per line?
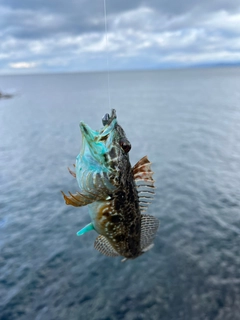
{"x":43,"y":35}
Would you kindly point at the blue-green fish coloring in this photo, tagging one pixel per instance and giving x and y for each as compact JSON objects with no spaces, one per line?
{"x":115,"y":193}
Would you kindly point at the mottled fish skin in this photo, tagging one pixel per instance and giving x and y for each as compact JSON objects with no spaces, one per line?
{"x":119,"y":218}
{"x":108,"y":187}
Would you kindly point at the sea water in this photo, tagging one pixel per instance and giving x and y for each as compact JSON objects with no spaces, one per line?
{"x":188,"y":123}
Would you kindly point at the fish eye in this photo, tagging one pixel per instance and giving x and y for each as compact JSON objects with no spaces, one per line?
{"x":125,"y":145}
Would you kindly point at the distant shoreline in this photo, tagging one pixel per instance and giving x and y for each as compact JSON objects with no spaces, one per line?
{"x":5,"y":95}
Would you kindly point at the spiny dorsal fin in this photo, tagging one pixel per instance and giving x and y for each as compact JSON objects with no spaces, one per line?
{"x":149,"y":226}
{"x":104,"y":246}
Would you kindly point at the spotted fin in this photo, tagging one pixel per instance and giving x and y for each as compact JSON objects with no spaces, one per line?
{"x":104,"y":246}
{"x":142,"y":171}
{"x":149,"y":226}
{"x":142,"y":174}
{"x":78,"y":199}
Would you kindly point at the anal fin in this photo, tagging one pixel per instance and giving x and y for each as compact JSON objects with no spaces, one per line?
{"x":104,"y":246}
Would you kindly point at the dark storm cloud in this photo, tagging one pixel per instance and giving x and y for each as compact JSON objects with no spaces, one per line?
{"x":45,"y":33}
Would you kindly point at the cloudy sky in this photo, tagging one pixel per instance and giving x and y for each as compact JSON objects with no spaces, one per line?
{"x":69,"y":36}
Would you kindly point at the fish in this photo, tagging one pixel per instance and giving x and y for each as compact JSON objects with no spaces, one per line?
{"x":116,"y":193}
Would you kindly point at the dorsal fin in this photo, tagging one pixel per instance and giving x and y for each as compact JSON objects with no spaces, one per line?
{"x":149,"y":226}
{"x":142,"y":174}
{"x":104,"y":246}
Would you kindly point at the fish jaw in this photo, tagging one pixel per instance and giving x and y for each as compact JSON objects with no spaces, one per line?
{"x":90,"y":142}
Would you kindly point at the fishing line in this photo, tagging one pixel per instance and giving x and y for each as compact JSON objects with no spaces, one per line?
{"x":107,"y":53}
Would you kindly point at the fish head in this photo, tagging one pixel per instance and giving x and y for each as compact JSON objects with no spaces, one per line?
{"x":107,"y":148}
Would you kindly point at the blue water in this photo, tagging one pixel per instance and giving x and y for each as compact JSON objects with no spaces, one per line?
{"x":188,"y":123}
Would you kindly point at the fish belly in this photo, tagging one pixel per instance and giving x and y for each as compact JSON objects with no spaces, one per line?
{"x":100,"y":212}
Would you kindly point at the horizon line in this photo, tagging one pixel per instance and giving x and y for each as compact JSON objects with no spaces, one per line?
{"x":159,"y":68}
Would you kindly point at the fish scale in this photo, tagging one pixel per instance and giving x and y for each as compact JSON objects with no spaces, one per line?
{"x":115,"y":193}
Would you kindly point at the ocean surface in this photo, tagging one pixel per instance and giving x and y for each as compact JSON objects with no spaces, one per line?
{"x":188,"y":123}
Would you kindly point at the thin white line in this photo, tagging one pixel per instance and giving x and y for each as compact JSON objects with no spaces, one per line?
{"x":107,"y":52}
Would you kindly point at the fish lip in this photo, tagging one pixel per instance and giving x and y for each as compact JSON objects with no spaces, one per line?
{"x":88,"y":137}
{"x":90,"y":134}
{"x":92,"y":137}
{"x":86,"y":131}
{"x":113,"y":116}
{"x":107,"y":119}
{"x":90,"y":140}
{"x":109,"y":125}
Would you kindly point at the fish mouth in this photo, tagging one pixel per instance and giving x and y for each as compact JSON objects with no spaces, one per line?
{"x":87,"y":132}
{"x":94,"y":139}
{"x":90,"y":141}
{"x":109,"y":123}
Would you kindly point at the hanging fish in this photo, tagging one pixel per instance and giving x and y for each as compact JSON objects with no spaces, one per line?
{"x":116,"y":193}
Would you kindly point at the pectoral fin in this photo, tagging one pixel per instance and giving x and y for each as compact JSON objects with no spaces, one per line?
{"x":142,"y":174}
{"x":78,"y":199}
{"x":104,"y":246}
{"x":87,"y":228}
{"x":142,"y":171}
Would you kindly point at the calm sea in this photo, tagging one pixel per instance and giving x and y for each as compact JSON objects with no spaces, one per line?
{"x":188,"y":123}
